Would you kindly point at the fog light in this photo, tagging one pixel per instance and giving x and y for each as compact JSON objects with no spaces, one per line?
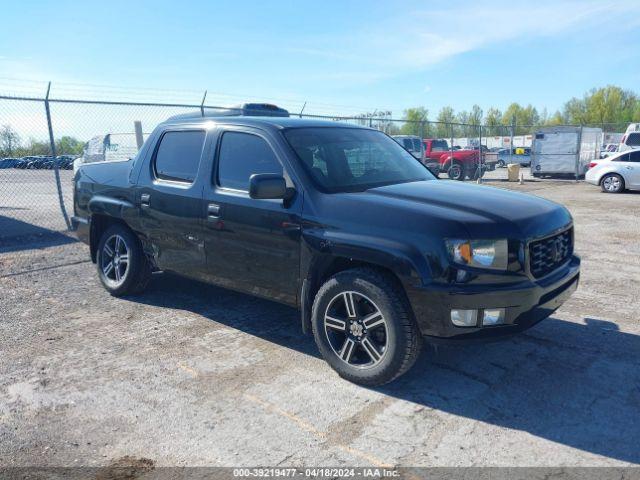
{"x":493,"y":316}
{"x":464,"y":318}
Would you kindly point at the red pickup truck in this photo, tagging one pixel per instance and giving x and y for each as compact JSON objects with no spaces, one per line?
{"x":457,"y":163}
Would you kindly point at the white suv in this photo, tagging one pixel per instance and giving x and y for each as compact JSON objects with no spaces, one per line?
{"x":617,"y":172}
{"x":631,"y":138}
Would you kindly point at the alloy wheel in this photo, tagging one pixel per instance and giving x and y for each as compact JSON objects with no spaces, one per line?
{"x":114,"y":261}
{"x":611,"y":184}
{"x":356,"y":329}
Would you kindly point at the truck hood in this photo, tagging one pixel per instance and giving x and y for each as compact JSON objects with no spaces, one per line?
{"x":484,"y":212}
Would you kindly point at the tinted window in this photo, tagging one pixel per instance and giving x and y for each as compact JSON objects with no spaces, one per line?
{"x":633,"y":140}
{"x":406,"y":143}
{"x":242,"y":155}
{"x":352,"y":159}
{"x":439,"y":146}
{"x":178,"y":155}
{"x":634,"y":156}
{"x":417,"y":145}
{"x":622,"y":158}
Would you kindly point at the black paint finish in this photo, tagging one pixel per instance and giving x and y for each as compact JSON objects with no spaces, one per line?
{"x":272,"y":247}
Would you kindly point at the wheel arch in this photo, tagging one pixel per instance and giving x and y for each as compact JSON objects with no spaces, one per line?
{"x":612,"y":172}
{"x":321,"y":266}
{"x":99,"y":224}
{"x":105,"y":211}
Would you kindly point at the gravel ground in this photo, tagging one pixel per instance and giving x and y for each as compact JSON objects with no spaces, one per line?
{"x":189,"y":374}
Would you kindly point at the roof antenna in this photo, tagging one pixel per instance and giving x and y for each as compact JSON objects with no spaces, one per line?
{"x":300,"y":114}
{"x":202,"y":104}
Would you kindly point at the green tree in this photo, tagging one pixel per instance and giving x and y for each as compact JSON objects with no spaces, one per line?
{"x":34,"y":147}
{"x":493,"y":120}
{"x":463,"y":129}
{"x":69,"y":146}
{"x":446,"y":116}
{"x":524,"y":117}
{"x":416,"y":122}
{"x":9,"y":141}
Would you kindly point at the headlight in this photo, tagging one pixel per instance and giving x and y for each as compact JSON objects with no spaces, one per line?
{"x":493,"y":254}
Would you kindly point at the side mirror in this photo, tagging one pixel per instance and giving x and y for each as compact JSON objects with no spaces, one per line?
{"x":267,"y":186}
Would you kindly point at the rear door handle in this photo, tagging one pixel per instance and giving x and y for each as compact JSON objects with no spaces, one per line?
{"x":145,"y":198}
{"x":213,"y":212}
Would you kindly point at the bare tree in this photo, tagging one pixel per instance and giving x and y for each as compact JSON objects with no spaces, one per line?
{"x":9,"y":140}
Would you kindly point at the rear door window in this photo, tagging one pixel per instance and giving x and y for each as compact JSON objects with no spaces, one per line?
{"x":634,"y":156}
{"x":178,"y":155}
{"x":242,"y":155}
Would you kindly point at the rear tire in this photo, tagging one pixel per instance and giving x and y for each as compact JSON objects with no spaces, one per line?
{"x":364,"y":327}
{"x":122,"y":265}
{"x":612,"y":183}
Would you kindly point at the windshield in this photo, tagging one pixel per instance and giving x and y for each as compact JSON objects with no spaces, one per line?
{"x":352,"y":159}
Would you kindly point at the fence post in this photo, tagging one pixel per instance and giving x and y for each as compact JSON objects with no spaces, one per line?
{"x":55,"y":160}
{"x":513,"y":128}
{"x":480,"y":156}
{"x":137,"y":127}
{"x":579,"y":153}
{"x":451,"y":140}
{"x":204,"y":97}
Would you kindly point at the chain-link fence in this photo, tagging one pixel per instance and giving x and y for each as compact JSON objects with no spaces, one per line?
{"x":41,"y":138}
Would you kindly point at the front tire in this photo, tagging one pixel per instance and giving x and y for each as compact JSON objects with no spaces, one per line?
{"x":122,"y":265}
{"x":364,"y":327}
{"x":612,"y":183}
{"x":455,"y":171}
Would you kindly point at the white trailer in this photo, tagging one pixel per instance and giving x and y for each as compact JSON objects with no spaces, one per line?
{"x":565,"y":151}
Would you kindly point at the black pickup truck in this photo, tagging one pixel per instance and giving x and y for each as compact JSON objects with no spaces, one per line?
{"x":335,"y":219}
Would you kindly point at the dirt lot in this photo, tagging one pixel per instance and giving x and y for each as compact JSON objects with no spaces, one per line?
{"x":188,"y":374}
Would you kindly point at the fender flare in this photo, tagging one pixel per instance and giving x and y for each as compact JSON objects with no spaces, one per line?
{"x":321,"y":251}
{"x":109,"y":206}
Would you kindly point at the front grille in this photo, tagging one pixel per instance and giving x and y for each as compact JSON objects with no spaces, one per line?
{"x":549,"y":253}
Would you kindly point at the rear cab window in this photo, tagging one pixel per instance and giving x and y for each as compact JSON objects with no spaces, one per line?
{"x":439,"y":146}
{"x":242,"y":154}
{"x":177,"y":156}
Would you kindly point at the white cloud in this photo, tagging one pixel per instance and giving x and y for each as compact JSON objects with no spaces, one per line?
{"x":417,"y":40}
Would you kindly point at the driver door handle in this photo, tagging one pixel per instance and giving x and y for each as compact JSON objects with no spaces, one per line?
{"x":213,"y":212}
{"x":145,"y":198}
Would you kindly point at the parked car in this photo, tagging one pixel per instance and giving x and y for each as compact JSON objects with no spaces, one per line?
{"x":616,"y":173}
{"x":335,"y":219}
{"x":608,"y":149}
{"x":458,"y":164}
{"x":521,"y":155}
{"x":412,"y":144}
{"x":8,"y":162}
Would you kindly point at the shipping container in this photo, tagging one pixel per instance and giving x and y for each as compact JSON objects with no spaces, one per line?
{"x":564,"y":151}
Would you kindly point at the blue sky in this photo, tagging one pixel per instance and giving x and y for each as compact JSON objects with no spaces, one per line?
{"x":340,"y":56}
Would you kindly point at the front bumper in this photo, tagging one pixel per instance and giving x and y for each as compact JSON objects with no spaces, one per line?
{"x":526,"y":303}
